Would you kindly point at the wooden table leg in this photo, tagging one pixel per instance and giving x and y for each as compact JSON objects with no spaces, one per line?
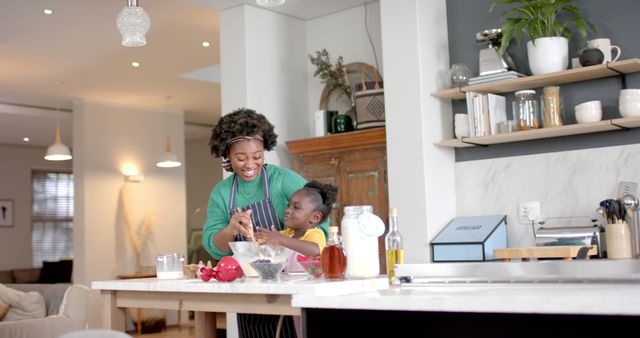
{"x":139,"y":320}
{"x":205,"y":324}
{"x":113,"y":317}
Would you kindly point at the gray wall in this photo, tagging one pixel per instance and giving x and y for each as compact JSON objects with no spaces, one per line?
{"x":615,"y":19}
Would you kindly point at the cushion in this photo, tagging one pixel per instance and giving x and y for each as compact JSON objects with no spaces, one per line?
{"x":6,"y":276}
{"x":53,"y":294}
{"x":56,"y":272}
{"x":4,"y":308}
{"x":26,"y":275}
{"x":22,"y":305}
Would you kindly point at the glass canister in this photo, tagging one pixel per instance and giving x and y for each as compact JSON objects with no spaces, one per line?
{"x":551,"y":107}
{"x":526,"y":112}
{"x":360,"y":232}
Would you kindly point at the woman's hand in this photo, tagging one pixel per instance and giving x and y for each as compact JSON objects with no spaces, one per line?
{"x":240,"y":223}
{"x":270,"y":236}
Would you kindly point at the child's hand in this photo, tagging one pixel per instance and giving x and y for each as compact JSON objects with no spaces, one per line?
{"x":269,"y":236}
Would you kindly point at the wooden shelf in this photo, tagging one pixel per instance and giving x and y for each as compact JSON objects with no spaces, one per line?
{"x":536,"y":81}
{"x":543,"y":133}
{"x":335,"y":142}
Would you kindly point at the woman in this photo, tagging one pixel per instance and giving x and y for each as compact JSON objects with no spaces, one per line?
{"x":256,"y":195}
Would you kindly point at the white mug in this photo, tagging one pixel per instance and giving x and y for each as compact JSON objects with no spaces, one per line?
{"x":606,"y":47}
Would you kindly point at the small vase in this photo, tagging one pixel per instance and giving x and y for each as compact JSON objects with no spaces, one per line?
{"x":459,"y":75}
{"x":590,"y":57}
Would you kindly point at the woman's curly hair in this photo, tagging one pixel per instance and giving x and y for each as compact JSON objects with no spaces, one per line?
{"x":324,"y":196}
{"x":241,"y":122}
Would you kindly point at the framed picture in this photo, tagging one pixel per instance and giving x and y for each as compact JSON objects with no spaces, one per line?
{"x":6,"y":213}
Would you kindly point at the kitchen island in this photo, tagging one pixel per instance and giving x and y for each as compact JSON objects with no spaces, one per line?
{"x":247,"y":295}
{"x":552,"y":299}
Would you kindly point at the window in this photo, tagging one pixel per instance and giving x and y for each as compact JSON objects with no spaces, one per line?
{"x":52,"y":216}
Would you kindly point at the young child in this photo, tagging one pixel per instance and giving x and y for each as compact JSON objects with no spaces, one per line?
{"x":307,"y":208}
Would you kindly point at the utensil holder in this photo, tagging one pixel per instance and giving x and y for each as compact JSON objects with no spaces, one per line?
{"x":618,"y":237}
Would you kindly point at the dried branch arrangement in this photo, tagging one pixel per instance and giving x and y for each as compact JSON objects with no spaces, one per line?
{"x":137,"y":235}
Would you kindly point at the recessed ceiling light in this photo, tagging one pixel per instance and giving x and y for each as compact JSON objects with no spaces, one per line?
{"x":206,"y":44}
{"x":135,"y":64}
{"x":47,"y":11}
{"x":26,"y":139}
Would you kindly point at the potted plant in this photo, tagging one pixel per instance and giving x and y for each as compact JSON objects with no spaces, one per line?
{"x":333,"y":76}
{"x":547,"y":25}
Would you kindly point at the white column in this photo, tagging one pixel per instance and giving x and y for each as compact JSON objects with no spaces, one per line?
{"x":421,"y":175}
{"x":263,"y":67}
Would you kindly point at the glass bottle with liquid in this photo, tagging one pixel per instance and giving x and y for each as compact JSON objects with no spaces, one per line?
{"x":394,"y":246}
{"x":333,"y":259}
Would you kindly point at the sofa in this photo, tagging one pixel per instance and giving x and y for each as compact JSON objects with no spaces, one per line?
{"x":65,"y":309}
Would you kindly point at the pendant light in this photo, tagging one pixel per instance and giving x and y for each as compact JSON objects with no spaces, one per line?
{"x":133,"y":23}
{"x":168,"y":159}
{"x":58,"y":151}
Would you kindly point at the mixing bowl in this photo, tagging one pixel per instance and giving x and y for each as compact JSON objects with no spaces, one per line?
{"x":246,"y":252}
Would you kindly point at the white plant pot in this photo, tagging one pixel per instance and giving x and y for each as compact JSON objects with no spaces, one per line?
{"x":548,"y":55}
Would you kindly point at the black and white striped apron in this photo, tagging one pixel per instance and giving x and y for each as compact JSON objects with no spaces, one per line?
{"x":263,"y":215}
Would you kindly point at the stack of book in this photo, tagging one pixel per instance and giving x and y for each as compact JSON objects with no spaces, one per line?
{"x":495,"y":77}
{"x":485,"y":111}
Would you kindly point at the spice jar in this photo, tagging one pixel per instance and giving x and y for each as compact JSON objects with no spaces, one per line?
{"x":525,"y":110}
{"x":552,"y":107}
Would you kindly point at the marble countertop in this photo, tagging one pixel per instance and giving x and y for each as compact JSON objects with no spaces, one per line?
{"x":288,"y":285}
{"x":569,"y":298}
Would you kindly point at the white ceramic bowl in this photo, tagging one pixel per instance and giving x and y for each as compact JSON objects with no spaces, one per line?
{"x":588,"y":115}
{"x":629,"y":109}
{"x":630,"y":92}
{"x":589,"y":105}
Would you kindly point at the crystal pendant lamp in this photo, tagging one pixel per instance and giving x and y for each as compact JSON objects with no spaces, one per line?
{"x":270,"y":3}
{"x":58,"y":151}
{"x":133,"y":23}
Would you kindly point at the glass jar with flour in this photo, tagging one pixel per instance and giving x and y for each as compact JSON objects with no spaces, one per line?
{"x":360,"y":232}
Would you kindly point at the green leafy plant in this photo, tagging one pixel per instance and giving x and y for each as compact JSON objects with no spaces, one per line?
{"x":331,"y":73}
{"x":540,"y":18}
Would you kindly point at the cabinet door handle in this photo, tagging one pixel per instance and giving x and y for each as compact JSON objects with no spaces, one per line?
{"x":334,"y":162}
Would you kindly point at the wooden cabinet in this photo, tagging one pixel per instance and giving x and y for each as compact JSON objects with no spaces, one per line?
{"x":356,"y":162}
{"x":619,"y":68}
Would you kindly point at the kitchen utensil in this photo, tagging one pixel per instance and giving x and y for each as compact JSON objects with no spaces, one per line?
{"x":253,"y":238}
{"x":170,"y":266}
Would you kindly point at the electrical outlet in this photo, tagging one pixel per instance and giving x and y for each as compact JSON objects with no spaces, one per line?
{"x":529,"y":212}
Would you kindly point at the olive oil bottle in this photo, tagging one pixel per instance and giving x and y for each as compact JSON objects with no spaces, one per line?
{"x":393,"y":245}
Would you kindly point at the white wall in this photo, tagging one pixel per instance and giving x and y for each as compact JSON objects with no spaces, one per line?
{"x":263,"y":68}
{"x":421,"y":175}
{"x":15,"y":183}
{"x":342,"y":34}
{"x":105,"y":138}
{"x":203,"y":173}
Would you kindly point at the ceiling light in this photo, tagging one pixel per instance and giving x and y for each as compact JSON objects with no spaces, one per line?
{"x":206,"y":44}
{"x":168,"y":159}
{"x":270,"y":3}
{"x":133,"y":23}
{"x":47,"y":11}
{"x":58,"y":151}
{"x":26,"y":139}
{"x":135,"y":64}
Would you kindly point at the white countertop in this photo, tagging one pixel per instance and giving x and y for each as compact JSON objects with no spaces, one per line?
{"x":601,"y":299}
{"x":288,"y":285}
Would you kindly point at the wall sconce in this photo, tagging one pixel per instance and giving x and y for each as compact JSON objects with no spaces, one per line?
{"x":131,"y":173}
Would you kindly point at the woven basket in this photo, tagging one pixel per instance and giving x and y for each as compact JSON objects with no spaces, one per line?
{"x":369,"y":99}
